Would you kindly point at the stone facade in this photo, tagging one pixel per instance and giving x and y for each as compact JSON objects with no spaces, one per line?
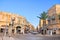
{"x":41,"y":24}
{"x":53,"y":21}
{"x":13,"y":23}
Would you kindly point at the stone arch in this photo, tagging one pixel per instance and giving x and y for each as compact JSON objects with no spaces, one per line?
{"x":18,"y":29}
{"x":2,"y":30}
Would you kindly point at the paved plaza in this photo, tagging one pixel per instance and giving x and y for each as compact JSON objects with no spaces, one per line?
{"x":31,"y":37}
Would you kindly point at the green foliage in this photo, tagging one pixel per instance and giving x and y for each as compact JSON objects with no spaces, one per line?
{"x":43,"y":16}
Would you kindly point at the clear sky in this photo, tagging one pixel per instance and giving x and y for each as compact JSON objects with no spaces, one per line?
{"x":30,"y":9}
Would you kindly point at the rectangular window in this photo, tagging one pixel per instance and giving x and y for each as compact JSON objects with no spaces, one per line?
{"x":49,"y":22}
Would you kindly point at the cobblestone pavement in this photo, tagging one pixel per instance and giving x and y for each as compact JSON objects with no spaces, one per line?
{"x":33,"y":37}
{"x":7,"y":38}
{"x":37,"y":37}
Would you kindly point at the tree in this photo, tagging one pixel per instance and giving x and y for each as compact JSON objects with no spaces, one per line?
{"x":43,"y":16}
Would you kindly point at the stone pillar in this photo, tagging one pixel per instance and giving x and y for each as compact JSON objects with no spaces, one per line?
{"x":51,"y":32}
{"x":57,"y":32}
{"x":22,"y":30}
{"x":10,"y":31}
{"x":14,"y":30}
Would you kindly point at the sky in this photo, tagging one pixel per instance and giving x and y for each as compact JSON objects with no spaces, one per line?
{"x":30,"y":9}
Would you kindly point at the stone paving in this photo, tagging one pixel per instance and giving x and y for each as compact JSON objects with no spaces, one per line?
{"x":6,"y":38}
{"x":38,"y":37}
{"x":31,"y":37}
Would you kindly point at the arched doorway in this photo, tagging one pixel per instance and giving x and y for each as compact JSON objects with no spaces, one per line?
{"x":54,"y":32}
{"x":18,"y":29}
{"x":2,"y":30}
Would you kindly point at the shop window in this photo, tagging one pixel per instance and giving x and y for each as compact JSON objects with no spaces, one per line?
{"x":59,"y":18}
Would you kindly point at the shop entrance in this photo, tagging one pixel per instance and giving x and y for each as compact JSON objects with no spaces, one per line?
{"x":18,"y":29}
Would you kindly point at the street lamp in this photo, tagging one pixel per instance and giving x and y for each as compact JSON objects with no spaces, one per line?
{"x":6,"y":26}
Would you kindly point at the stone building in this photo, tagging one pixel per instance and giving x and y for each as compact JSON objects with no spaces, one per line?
{"x":53,"y":20}
{"x":12,"y":23}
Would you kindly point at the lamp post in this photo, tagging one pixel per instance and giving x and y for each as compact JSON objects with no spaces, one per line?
{"x":6,"y":26}
{"x":11,"y":25}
